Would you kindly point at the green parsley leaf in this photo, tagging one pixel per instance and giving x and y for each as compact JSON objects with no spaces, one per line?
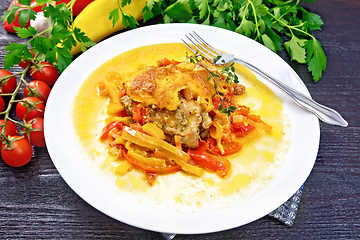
{"x":246,"y":28}
{"x":10,"y":14}
{"x":85,"y":45}
{"x":203,"y":6}
{"x":43,"y":2}
{"x":222,"y":5}
{"x":25,"y":2}
{"x":179,"y":11}
{"x":25,"y":32}
{"x":295,"y":48}
{"x":128,"y":20}
{"x":114,"y":16}
{"x":125,"y":2}
{"x":60,"y":32}
{"x":59,"y":14}
{"x":25,"y":15}
{"x":64,"y":58}
{"x":16,"y":51}
{"x":268,"y":42}
{"x":316,"y":58}
{"x":80,"y":36}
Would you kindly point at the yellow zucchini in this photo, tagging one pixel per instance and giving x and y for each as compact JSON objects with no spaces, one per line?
{"x":95,"y":23}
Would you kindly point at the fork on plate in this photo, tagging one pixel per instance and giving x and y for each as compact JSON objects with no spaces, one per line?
{"x":326,"y":114}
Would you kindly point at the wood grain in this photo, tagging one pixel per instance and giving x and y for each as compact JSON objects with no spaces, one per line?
{"x":36,"y":203}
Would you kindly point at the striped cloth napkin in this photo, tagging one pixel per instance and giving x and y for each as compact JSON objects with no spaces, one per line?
{"x":286,"y":213}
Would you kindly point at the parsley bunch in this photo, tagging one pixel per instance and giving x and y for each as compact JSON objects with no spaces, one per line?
{"x":54,"y":49}
{"x":266,"y":21}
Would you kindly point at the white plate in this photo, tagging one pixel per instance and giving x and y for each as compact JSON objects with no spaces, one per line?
{"x":67,"y":159}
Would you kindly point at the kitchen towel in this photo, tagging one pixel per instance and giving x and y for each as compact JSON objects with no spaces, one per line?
{"x":286,"y":213}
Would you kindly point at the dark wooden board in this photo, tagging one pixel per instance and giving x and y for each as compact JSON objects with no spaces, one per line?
{"x":36,"y":203}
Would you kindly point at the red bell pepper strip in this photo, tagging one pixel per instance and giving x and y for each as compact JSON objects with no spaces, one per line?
{"x":165,"y":62}
{"x":122,"y":92}
{"x":149,"y":169}
{"x":79,"y":5}
{"x":122,"y":113}
{"x":138,"y":127}
{"x":240,"y":129}
{"x":140,"y":114}
{"x":242,"y":110}
{"x":105,"y":131}
{"x":213,"y":163}
{"x":229,"y":148}
{"x":201,"y":147}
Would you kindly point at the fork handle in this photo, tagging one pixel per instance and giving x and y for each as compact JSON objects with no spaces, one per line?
{"x":324,"y":113}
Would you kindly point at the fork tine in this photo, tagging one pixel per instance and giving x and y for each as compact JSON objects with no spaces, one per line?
{"x":204,"y":43}
{"x":194,"y":51}
{"x":198,"y":46}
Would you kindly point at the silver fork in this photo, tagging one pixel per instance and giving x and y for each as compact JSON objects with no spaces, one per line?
{"x":324,"y":113}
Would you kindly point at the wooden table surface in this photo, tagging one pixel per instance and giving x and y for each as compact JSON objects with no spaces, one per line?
{"x":36,"y":203}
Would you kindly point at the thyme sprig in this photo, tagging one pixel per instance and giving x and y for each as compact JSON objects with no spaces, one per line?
{"x":227,"y":72}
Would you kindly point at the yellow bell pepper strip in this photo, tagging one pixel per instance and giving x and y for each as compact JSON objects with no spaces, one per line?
{"x":251,"y":136}
{"x":150,"y":161}
{"x":123,"y":168}
{"x":150,"y":142}
{"x":146,"y":168}
{"x":258,"y":123}
{"x":153,"y":130}
{"x":94,"y":20}
{"x":180,"y":157}
{"x":197,"y":171}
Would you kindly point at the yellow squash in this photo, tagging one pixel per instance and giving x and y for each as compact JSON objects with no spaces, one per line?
{"x":95,"y":23}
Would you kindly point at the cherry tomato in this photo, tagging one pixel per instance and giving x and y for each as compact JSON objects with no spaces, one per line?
{"x":47,"y":73}
{"x":22,"y":108}
{"x":24,"y":63}
{"x":42,"y":90}
{"x":21,"y":153}
{"x":2,"y":104}
{"x":9,"y":85}
{"x":10,"y":128}
{"x":36,"y":138}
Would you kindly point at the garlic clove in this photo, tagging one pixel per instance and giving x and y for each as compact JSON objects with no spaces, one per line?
{"x":41,"y":23}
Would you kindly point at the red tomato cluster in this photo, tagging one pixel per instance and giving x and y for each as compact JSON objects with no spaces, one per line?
{"x":16,"y":147}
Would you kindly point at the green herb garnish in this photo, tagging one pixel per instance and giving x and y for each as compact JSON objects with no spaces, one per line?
{"x":227,"y":72}
{"x":266,"y":21}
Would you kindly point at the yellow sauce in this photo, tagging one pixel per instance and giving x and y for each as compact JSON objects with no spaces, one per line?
{"x":252,"y":168}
